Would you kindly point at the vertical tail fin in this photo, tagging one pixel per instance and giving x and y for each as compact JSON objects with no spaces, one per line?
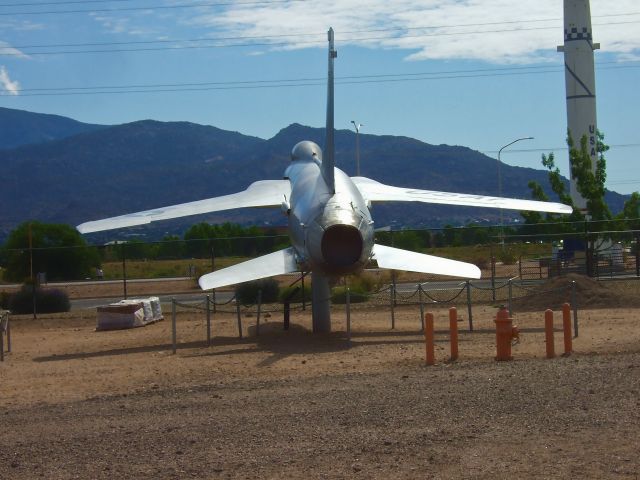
{"x":328,"y":157}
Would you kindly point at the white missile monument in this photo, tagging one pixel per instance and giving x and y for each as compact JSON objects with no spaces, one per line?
{"x":330,"y":225}
{"x":580,"y":82}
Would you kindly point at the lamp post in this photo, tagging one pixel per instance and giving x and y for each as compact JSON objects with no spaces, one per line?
{"x":357,"y":127}
{"x":500,"y":183}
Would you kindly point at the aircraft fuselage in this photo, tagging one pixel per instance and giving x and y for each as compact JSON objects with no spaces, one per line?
{"x":331,"y":232}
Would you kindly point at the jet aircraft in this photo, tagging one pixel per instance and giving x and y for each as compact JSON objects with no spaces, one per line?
{"x":329,"y":221}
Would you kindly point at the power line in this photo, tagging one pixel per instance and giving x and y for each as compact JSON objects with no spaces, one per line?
{"x":295,"y":82}
{"x":70,"y":2}
{"x":157,"y":7}
{"x":310,"y":79}
{"x":180,"y":6}
{"x":551,"y":149}
{"x":287,"y":35}
{"x":269,"y":44}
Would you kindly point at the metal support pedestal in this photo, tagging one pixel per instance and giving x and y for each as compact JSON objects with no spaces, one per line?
{"x":321,"y":305}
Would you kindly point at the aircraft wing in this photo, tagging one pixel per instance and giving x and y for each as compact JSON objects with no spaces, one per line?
{"x":265,"y":193}
{"x":397,"y":259}
{"x":378,"y":192}
{"x":276,"y":263}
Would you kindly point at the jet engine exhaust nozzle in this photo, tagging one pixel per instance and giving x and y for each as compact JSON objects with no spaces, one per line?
{"x":342,"y":246}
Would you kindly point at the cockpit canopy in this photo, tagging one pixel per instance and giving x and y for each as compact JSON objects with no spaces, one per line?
{"x":306,"y":150}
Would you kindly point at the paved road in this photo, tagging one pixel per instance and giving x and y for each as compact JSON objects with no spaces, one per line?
{"x":89,"y":303}
{"x":225,"y":296}
{"x":104,"y":282}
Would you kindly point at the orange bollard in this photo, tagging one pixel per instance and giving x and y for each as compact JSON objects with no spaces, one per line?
{"x":428,"y":338}
{"x":548,"y":333}
{"x":453,"y":332}
{"x":566,"y":327}
{"x":504,"y":333}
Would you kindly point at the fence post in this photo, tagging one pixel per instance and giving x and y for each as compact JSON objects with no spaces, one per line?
{"x":392,"y":296}
{"x":428,"y":338}
{"x":469,"y":309}
{"x":259,"y":309}
{"x":421,"y":307}
{"x":239,"y":317}
{"x":520,"y":267}
{"x":453,"y":332}
{"x":213,"y":299}
{"x":1,"y":341}
{"x":510,"y":298}
{"x":173,"y":326}
{"x":304,"y":300}
{"x":493,"y":276}
{"x":566,"y":328}
{"x":208,"y":302}
{"x":637,"y":254}
{"x":124,"y":269}
{"x":8,"y":333}
{"x":287,"y":314}
{"x":574,"y":303}
{"x":349,"y":315}
{"x":548,"y":333}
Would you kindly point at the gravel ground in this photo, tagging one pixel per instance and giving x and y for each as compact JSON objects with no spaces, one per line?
{"x":81,"y":404}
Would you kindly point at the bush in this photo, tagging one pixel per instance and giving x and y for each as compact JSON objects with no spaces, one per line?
{"x":4,"y":300}
{"x":47,"y":301}
{"x":297,"y":296}
{"x":507,"y":257}
{"x":482,"y":263}
{"x":247,"y":293}
{"x":362,"y":283}
{"x":339,"y":296}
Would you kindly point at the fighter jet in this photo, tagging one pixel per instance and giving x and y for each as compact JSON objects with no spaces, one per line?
{"x":329,"y":221}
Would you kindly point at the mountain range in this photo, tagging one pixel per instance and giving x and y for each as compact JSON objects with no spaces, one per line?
{"x":56,"y":169}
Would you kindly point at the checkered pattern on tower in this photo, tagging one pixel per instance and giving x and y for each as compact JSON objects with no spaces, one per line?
{"x":574,"y":34}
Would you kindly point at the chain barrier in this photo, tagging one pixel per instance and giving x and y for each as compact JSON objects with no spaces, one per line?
{"x":445,"y":301}
{"x":489,"y":289}
{"x":192,"y":306}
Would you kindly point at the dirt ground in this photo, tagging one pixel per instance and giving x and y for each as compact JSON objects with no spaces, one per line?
{"x":77,"y":403}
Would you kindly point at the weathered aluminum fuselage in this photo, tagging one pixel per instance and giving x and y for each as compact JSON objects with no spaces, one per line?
{"x":331,"y":232}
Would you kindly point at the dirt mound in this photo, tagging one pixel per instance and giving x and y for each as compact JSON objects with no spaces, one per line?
{"x":590,"y":293}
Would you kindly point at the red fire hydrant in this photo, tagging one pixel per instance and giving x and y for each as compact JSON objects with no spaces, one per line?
{"x":505,"y":332}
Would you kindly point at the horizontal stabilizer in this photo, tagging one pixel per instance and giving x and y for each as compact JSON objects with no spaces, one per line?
{"x":378,"y":192}
{"x":397,"y":259}
{"x":265,"y":193}
{"x":276,"y":263}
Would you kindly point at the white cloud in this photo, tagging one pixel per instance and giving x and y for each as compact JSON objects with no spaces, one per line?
{"x":8,"y":50}
{"x":11,"y":86}
{"x":20,"y":25}
{"x":497,"y":31}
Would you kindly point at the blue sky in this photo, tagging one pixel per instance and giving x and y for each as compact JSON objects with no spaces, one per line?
{"x":475,"y":73}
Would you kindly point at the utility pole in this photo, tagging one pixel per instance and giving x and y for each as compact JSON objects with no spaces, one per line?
{"x":500,"y":185}
{"x":357,"y":126}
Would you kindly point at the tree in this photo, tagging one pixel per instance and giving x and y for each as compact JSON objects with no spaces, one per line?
{"x":58,"y":250}
{"x":630,"y":215}
{"x":589,"y":184}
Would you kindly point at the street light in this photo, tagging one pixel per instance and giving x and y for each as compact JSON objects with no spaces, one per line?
{"x":500,"y":184}
{"x":357,"y":127}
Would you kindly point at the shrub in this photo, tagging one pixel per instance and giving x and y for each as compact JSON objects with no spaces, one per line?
{"x":4,"y":300}
{"x":247,"y":293}
{"x":507,"y":257}
{"x":297,"y":296}
{"x":362,"y":283}
{"x":339,"y":296}
{"x":482,"y":263}
{"x":47,"y":301}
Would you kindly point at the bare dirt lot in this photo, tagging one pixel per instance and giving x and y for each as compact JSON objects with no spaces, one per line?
{"x":76,"y":403}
